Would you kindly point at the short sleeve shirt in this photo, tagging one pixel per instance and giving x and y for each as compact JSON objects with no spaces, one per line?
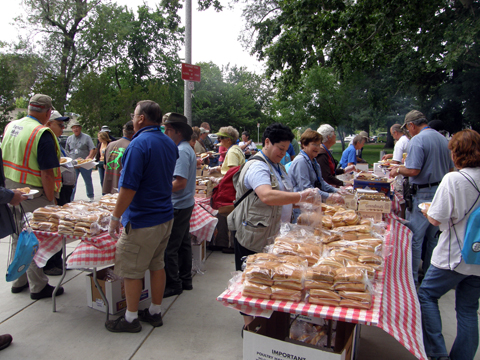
{"x":259,"y":174}
{"x":148,"y":165}
{"x":185,"y":167}
{"x":400,"y":148}
{"x":46,"y":152}
{"x":79,"y":146}
{"x":348,"y":156}
{"x":428,"y":152}
{"x":234,"y":157}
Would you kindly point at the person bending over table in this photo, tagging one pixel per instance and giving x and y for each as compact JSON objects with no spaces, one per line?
{"x":228,"y":137}
{"x":271,"y":200}
{"x":457,"y":196}
{"x":144,"y":206}
{"x":305,"y":172}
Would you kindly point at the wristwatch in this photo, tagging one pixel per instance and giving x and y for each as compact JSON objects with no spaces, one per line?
{"x":114,"y":218}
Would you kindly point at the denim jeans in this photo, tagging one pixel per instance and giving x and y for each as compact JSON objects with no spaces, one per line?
{"x":101,"y":173}
{"x":436,"y":283}
{"x":422,"y":231}
{"x":87,"y":177}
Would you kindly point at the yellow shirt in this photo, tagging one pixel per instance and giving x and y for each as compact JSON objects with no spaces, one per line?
{"x":234,"y":157}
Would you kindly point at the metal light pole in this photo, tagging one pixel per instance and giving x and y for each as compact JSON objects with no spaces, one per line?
{"x":187,"y":111}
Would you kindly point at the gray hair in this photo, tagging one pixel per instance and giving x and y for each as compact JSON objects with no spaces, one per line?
{"x":327,"y":132}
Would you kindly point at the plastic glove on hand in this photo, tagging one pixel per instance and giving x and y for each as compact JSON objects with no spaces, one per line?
{"x":309,"y":196}
{"x":350,"y":168}
{"x":114,"y":229}
{"x":335,"y":199}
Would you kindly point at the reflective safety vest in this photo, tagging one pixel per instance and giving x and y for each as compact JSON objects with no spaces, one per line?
{"x":20,"y":146}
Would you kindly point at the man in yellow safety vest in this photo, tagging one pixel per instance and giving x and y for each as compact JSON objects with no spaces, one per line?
{"x":31,"y":158}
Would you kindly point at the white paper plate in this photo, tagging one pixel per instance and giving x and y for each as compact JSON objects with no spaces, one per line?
{"x":29,"y":196}
{"x":69,"y":160}
{"x":88,"y":165}
{"x":424,"y":206}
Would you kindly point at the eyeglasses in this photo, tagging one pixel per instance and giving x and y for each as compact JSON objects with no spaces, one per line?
{"x":222,"y":138}
{"x":132,"y":116}
{"x":61,"y":125}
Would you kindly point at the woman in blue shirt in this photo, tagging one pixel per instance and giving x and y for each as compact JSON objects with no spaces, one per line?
{"x":306,"y":173}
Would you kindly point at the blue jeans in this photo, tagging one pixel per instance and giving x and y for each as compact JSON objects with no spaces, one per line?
{"x":436,"y":283}
{"x":87,"y":177}
{"x":101,"y":173}
{"x":422,"y":231}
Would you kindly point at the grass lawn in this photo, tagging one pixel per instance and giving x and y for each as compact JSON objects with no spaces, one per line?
{"x":371,"y":152}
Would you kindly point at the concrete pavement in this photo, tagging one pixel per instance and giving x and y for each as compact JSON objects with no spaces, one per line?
{"x":196,"y":326}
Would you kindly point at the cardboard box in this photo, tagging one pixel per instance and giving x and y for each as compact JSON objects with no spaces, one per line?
{"x":380,"y":186}
{"x":376,"y":216}
{"x":199,"y":255}
{"x":268,"y":339}
{"x":379,"y":206}
{"x":362,"y":166}
{"x":114,"y":293}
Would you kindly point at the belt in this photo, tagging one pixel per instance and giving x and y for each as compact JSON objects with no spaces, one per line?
{"x":422,"y":186}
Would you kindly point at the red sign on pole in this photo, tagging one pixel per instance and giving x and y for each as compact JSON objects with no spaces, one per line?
{"x":190,"y":72}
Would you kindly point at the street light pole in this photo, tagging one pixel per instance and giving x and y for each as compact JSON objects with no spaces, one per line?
{"x":187,"y":111}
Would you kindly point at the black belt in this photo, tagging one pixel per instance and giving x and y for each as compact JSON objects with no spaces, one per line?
{"x":426,"y":185}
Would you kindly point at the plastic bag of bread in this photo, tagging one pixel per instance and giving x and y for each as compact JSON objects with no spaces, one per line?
{"x":369,"y":270}
{"x":355,"y":299}
{"x":293,"y":259}
{"x":351,"y":278}
{"x":256,"y":290}
{"x":320,"y":277}
{"x":279,"y":292}
{"x":307,"y":332}
{"x":310,"y":252}
{"x":47,"y":226}
{"x":310,"y":218}
{"x":289,"y":276}
{"x":284,"y":247}
{"x":327,"y":236}
{"x":260,"y":272}
{"x":323,"y":297}
{"x":330,"y":261}
{"x":345,"y":218}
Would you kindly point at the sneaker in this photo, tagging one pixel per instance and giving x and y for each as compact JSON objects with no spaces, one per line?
{"x":55,"y":271}
{"x":5,"y":341}
{"x":186,"y":286}
{"x":154,"y":320}
{"x":122,"y":325}
{"x":19,"y":289}
{"x":91,"y":199}
{"x":46,"y":293}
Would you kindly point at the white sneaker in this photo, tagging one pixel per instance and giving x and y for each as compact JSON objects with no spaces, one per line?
{"x":91,"y":199}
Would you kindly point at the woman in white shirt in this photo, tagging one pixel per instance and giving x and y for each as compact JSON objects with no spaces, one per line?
{"x":457,"y":196}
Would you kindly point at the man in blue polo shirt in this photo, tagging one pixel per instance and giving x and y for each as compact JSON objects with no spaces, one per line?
{"x":349,"y":156}
{"x":178,"y":255}
{"x":428,"y":160}
{"x":144,"y":207}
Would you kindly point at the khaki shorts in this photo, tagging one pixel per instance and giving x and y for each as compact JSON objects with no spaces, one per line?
{"x":139,"y":250}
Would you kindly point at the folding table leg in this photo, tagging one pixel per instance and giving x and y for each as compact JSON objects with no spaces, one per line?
{"x":64,"y":267}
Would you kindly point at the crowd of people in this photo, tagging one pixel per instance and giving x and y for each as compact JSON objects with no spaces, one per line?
{"x":155,"y":202}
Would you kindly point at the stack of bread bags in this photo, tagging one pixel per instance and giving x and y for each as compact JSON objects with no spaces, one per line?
{"x":43,"y":220}
{"x":339,"y":271}
{"x":268,"y":276}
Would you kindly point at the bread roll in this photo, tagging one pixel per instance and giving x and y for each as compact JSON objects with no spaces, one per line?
{"x":355,"y":304}
{"x":330,"y":261}
{"x":321,"y":273}
{"x":281,"y":293}
{"x":288,"y":272}
{"x":326,"y":302}
{"x":350,"y":286}
{"x":356,"y":295}
{"x":309,"y":218}
{"x":315,"y":284}
{"x":327,"y":221}
{"x":260,"y":270}
{"x":365,"y":229}
{"x":370,"y":259}
{"x":324,"y":294}
{"x":350,"y":274}
{"x":261,"y":257}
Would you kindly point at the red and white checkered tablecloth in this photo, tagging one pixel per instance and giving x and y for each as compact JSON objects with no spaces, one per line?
{"x":395,"y":306}
{"x":397,"y":202}
{"x":203,"y":220}
{"x":48,"y":245}
{"x":93,"y":252}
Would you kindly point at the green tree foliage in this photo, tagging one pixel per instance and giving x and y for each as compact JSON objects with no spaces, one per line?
{"x":8,"y":79}
{"x":229,"y":96}
{"x":430,"y":48}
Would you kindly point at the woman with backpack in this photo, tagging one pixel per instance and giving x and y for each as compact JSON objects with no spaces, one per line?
{"x":456,"y":198}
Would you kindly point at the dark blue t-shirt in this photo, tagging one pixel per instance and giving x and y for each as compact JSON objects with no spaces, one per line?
{"x":148,"y":165}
